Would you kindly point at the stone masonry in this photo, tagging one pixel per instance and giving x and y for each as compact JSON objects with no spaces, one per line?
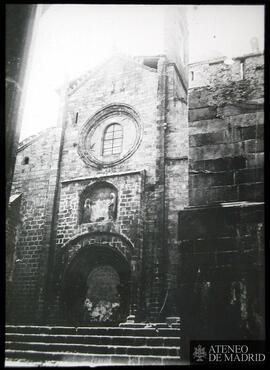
{"x":226,"y":133}
{"x":221,"y":232}
{"x":145,"y":184}
{"x":180,"y":204}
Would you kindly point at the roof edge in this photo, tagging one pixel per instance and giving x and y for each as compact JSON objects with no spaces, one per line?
{"x":32,"y":138}
{"x":221,"y":59}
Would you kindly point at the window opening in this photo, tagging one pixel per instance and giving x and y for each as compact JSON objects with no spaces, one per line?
{"x":242,"y":70}
{"x":113,"y":139}
{"x":25,"y":160}
{"x":76,"y":117}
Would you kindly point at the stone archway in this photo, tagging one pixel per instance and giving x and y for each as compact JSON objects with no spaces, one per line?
{"x":96,"y":286}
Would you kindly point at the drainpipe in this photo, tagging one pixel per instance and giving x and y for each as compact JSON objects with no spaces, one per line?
{"x":49,"y":268}
{"x":161,"y":256}
{"x":164,"y":254}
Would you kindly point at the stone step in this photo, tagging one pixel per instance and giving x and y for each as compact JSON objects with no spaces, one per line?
{"x":88,"y":359}
{"x":100,"y":331}
{"x":94,"y":339}
{"x":94,"y":349}
{"x":143,"y":325}
{"x":95,"y":345}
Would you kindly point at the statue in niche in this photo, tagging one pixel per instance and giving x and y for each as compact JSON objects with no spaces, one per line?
{"x":112,"y":206}
{"x":87,"y":208}
{"x":101,"y":205}
{"x":99,"y":208}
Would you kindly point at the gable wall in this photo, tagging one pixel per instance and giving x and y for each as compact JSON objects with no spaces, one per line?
{"x":129,"y":84}
{"x":33,"y":181}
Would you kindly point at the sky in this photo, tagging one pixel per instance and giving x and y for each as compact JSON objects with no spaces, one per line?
{"x":72,"y":39}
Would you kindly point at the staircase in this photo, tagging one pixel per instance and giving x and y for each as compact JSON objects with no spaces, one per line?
{"x":92,"y":346}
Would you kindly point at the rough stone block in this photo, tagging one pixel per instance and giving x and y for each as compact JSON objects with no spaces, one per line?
{"x":249,"y":132}
{"x":252,"y":214}
{"x":225,"y":193}
{"x":254,"y":146}
{"x":251,"y":192}
{"x":202,"y":114}
{"x":230,"y":259}
{"x":251,"y":175}
{"x":198,"y":97}
{"x":207,"y":222}
{"x":211,"y":179}
{"x":219,"y":165}
{"x":255,"y":160}
{"x":207,"y":138}
{"x":206,"y":126}
{"x":216,"y":151}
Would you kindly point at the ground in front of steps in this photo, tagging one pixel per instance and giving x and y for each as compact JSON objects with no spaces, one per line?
{"x":24,"y":363}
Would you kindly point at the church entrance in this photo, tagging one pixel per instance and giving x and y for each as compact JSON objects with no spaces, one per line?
{"x":96,"y":287}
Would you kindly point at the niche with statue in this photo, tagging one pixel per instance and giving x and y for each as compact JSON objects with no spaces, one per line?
{"x":98,"y":203}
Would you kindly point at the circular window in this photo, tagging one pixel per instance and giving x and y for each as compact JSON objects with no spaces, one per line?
{"x":112,"y":135}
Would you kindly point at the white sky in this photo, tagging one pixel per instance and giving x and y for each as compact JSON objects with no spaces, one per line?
{"x":72,"y":39}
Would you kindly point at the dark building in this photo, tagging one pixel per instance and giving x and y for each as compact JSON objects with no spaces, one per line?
{"x":221,"y":232}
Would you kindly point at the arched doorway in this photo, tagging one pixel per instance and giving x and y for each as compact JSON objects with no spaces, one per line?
{"x":96,"y":287}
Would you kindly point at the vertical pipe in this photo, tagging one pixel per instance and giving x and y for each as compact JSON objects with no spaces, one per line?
{"x":52,"y":230}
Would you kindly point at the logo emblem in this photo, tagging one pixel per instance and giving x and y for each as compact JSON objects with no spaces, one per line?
{"x":199,"y":353}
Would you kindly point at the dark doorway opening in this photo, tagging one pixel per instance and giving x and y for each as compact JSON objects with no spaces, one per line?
{"x":96,"y":287}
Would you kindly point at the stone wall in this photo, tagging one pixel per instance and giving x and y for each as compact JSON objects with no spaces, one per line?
{"x":52,"y":174}
{"x":12,"y":232}
{"x":221,"y":272}
{"x":215,"y":159}
{"x":33,"y":173}
{"x":226,"y":134}
{"x":119,"y":81}
{"x":221,"y":232}
{"x":129,"y":188}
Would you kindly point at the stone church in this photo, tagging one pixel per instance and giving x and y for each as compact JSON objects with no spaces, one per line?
{"x":146,"y":200}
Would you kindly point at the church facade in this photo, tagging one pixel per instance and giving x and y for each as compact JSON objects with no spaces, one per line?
{"x":97,"y":189}
{"x":145,"y":200}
